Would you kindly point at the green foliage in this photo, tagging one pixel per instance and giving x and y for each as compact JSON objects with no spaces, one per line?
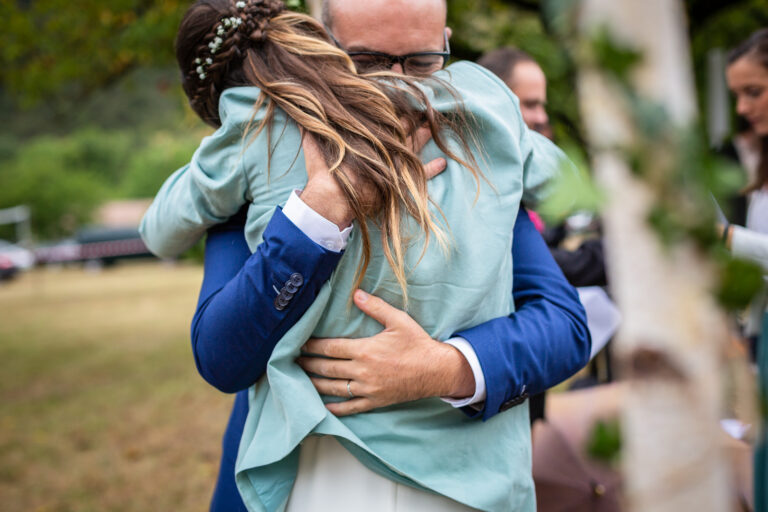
{"x":54,"y":47}
{"x":296,"y":5}
{"x":561,"y":17}
{"x":62,"y":48}
{"x":9,"y":144}
{"x":675,"y":164}
{"x":95,"y":153}
{"x":686,"y":177}
{"x":144,"y":100}
{"x":574,"y":190}
{"x":196,"y":253}
{"x":605,"y":441}
{"x":61,"y":198}
{"x":65,"y":159}
{"x":739,"y":282}
{"x":613,"y":58}
{"x":147,"y":169}
{"x":63,"y":179}
{"x":480,"y":26}
{"x":103,"y":75}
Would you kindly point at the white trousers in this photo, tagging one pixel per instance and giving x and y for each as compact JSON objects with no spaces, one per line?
{"x":331,"y":479}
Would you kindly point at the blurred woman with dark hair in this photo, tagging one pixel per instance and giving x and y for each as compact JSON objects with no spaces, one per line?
{"x":747,"y":75}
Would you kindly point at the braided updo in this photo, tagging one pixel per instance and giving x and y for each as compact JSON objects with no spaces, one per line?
{"x":210,"y":49}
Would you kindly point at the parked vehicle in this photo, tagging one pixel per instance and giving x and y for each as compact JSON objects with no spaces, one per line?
{"x":7,"y":268}
{"x":99,"y":245}
{"x":22,"y":258}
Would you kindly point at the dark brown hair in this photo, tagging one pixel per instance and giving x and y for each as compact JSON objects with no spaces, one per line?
{"x":755,"y":48}
{"x":361,"y":122}
{"x":502,"y":61}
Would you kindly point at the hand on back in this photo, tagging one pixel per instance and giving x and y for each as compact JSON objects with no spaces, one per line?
{"x":324,"y":195}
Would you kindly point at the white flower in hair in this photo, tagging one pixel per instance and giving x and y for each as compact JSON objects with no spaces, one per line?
{"x":240,"y":5}
{"x":215,"y":45}
{"x":224,"y":26}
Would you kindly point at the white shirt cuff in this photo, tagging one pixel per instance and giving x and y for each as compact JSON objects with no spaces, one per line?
{"x":319,"y":229}
{"x":468,"y":352}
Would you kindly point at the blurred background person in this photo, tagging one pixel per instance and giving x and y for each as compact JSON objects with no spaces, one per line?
{"x":584,"y":266}
{"x":527,"y":80}
{"x":747,"y":76}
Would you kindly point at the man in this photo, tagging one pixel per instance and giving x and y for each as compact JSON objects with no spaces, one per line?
{"x":491,"y":367}
{"x":584,"y":266}
{"x":525,"y":77}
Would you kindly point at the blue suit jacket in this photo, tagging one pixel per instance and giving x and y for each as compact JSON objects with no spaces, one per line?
{"x":238,"y":321}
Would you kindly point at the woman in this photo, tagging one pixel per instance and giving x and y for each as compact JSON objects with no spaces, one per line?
{"x":423,"y":444}
{"x":747,"y":76}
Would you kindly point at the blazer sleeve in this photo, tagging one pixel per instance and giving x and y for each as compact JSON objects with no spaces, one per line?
{"x":544,"y":342}
{"x":238,"y":320}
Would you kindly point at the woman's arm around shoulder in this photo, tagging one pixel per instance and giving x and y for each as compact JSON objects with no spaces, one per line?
{"x":208,"y":190}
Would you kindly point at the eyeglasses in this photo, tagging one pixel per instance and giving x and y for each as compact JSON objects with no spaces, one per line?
{"x":419,"y":63}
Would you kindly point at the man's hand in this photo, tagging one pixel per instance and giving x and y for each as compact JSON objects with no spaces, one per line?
{"x":399,"y":364}
{"x":324,"y":195}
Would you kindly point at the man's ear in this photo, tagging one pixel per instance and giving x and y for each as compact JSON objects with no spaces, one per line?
{"x":448,"y":32}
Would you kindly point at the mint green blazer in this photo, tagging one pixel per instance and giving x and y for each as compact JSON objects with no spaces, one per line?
{"x":427,"y":443}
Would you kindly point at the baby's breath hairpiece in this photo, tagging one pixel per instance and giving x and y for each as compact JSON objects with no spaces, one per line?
{"x":221,"y":29}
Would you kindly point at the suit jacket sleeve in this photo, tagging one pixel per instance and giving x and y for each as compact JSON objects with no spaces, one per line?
{"x":236,"y":326}
{"x":545,"y":341}
{"x":237,"y":322}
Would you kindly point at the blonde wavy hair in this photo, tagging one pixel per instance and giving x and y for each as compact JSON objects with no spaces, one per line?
{"x":361,"y":122}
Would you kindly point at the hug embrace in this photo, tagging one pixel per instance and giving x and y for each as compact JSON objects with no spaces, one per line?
{"x":299,"y":118}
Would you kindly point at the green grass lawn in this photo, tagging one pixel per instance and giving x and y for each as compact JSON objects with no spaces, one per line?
{"x":101,"y":407}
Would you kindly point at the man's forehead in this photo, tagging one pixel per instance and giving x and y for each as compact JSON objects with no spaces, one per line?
{"x":390,"y":26}
{"x":527,"y":73}
{"x":529,"y":83}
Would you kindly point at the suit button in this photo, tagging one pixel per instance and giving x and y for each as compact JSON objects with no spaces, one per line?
{"x":285,"y":294}
{"x":290,"y":288}
{"x":281,"y":302}
{"x":296,"y":279}
{"x":513,"y":402}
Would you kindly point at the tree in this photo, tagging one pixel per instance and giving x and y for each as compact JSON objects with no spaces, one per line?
{"x":639,"y":104}
{"x":57,"y":47}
